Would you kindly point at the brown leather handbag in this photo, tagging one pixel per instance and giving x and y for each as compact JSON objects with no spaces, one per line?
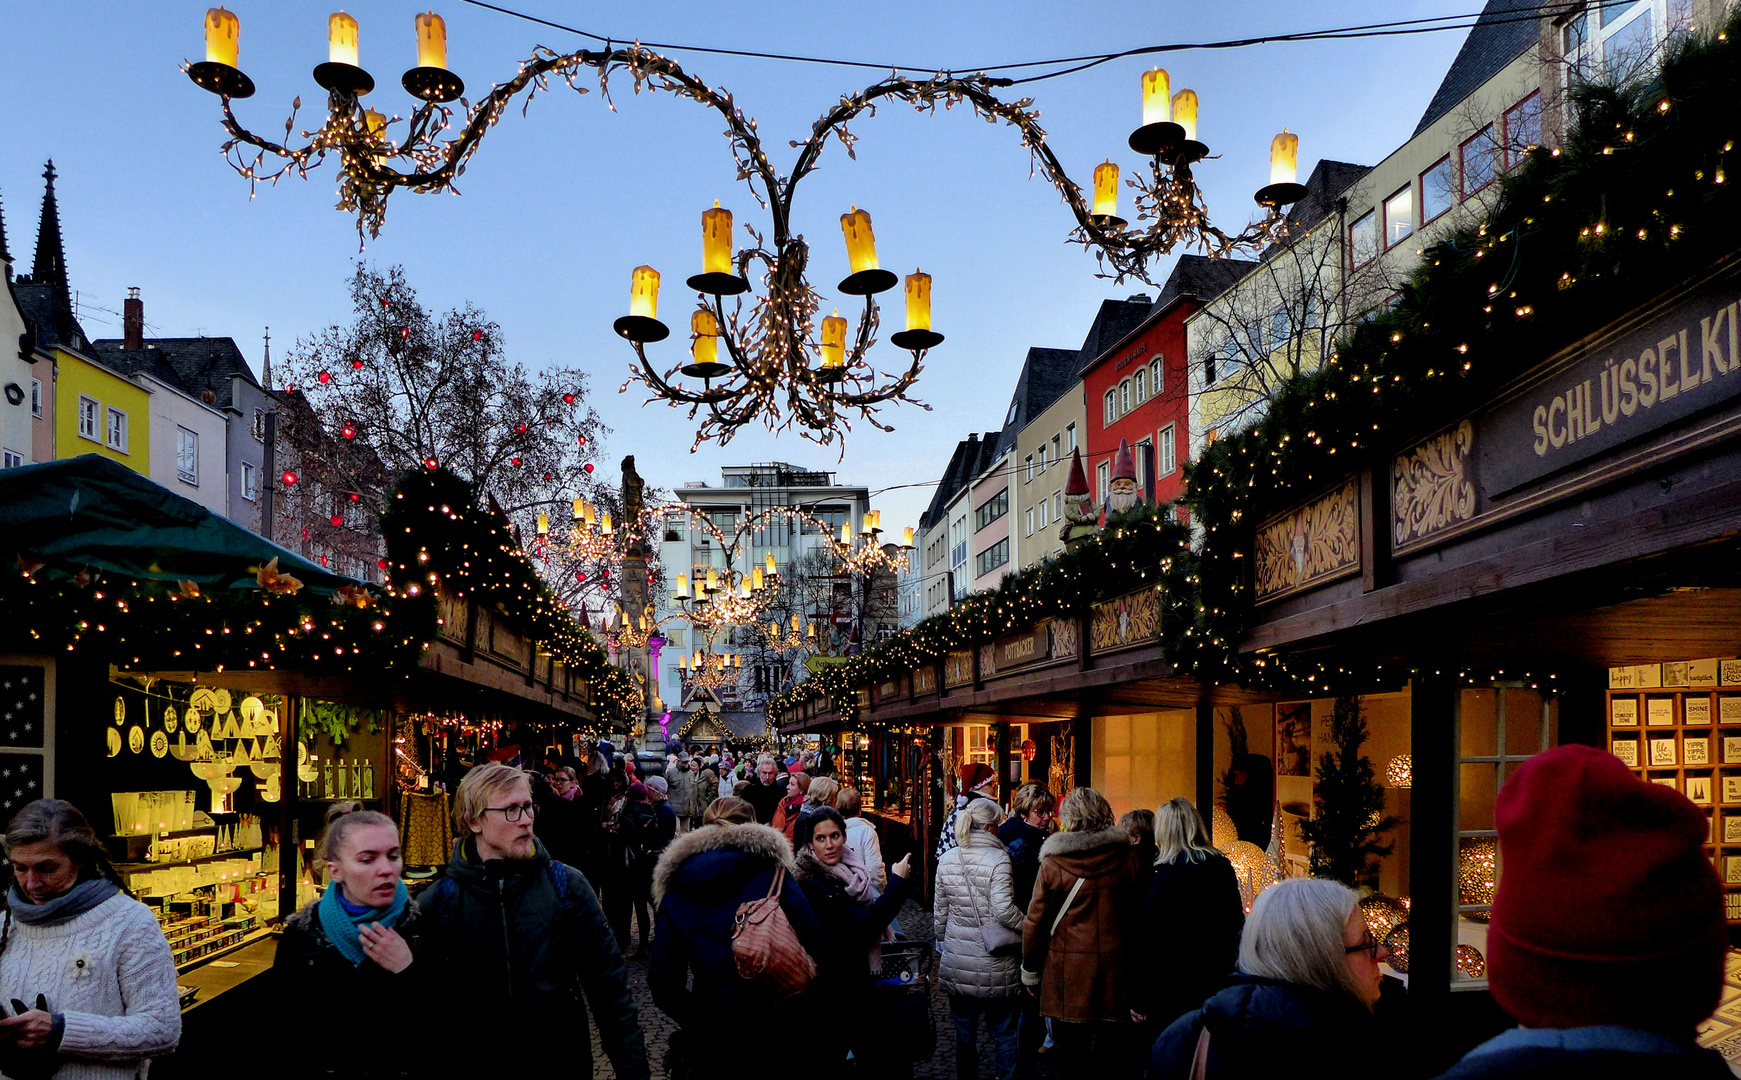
{"x":766,"y":948}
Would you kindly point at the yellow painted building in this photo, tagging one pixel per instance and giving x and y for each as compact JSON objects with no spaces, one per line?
{"x":100,"y":412}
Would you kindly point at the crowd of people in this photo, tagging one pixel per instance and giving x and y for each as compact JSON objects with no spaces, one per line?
{"x":1114,"y":947}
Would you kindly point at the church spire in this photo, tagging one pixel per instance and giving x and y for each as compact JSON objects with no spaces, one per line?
{"x":5,"y":253}
{"x":266,"y":362}
{"x":50,"y":266}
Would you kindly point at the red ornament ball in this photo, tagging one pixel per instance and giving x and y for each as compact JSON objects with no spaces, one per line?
{"x":305,"y":532}
{"x":581,"y":439}
{"x":568,"y":399}
{"x":404,"y":333}
{"x":477,"y":335}
{"x":355,"y":497}
{"x":549,"y":476}
{"x":589,"y":466}
{"x":357,"y":365}
{"x":519,"y":429}
{"x":385,"y":302}
{"x":290,"y":388}
{"x":335,"y":521}
{"x":515,"y":462}
{"x":323,"y":560}
{"x":380,"y":564}
{"x":431,"y":464}
{"x":604,"y":575}
{"x":349,"y":431}
{"x":580,"y":576}
{"x":289,"y":478}
{"x":324,"y":377}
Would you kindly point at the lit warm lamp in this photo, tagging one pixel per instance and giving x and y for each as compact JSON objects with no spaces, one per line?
{"x":340,"y":74}
{"x":218,"y":72}
{"x":716,"y":277}
{"x":917,"y":337}
{"x":641,"y":325}
{"x":341,"y":39}
{"x":1185,"y":115}
{"x":580,"y":509}
{"x":861,"y":254}
{"x":768,"y":562}
{"x":682,"y":590}
{"x":846,"y":534}
{"x":430,"y":79}
{"x":704,"y":330}
{"x":605,"y":525}
{"x":1284,"y":172}
{"x":375,"y":123}
{"x":907,"y":541}
{"x":1158,"y":133}
{"x":543,"y":524}
{"x":833,"y":349}
{"x":712,"y":579}
{"x":756,"y":580}
{"x":796,"y":622}
{"x":1105,"y":212}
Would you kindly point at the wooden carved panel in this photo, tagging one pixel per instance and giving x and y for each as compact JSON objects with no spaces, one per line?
{"x":1132,"y":619}
{"x":925,"y":680}
{"x":1066,"y":642}
{"x":958,"y":669}
{"x":987,"y":660}
{"x":1430,"y":486}
{"x":1310,"y":544}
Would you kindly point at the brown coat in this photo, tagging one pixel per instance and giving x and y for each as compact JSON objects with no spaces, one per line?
{"x":1081,"y":970}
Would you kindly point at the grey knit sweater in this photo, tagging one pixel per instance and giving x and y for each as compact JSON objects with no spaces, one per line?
{"x":109,"y":972}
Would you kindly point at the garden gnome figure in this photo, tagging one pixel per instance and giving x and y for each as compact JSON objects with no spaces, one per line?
{"x":1124,"y":494}
{"x":1079,"y":512}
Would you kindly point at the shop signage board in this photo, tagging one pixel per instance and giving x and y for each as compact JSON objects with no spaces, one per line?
{"x":1022,"y":649}
{"x":892,"y":688}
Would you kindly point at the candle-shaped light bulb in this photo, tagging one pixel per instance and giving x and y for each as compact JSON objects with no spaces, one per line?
{"x":341,"y":39}
{"x":1185,"y":112}
{"x":375,"y":123}
{"x":846,"y":533}
{"x":704,"y":327}
{"x":683,"y":662}
{"x":644,"y":293}
{"x":743,"y":588}
{"x":543,"y":523}
{"x":712,"y":579}
{"x":877,"y":520}
{"x":1157,"y":97}
{"x":756,"y":581}
{"x":796,"y":622}
{"x":768,"y":562}
{"x":810,"y":631}
{"x":834,"y":341}
{"x":861,"y":243}
{"x":431,"y":40}
{"x":868,"y":524}
{"x":605,"y":526}
{"x":918,"y":300}
{"x":716,"y":240}
{"x":1284,"y":158}
{"x":682,"y":590}
{"x":1106,"y":189}
{"x":774,"y":628}
{"x":907,"y":537}
{"x":579,"y":509}
{"x":591,"y":514}
{"x":222,"y":29}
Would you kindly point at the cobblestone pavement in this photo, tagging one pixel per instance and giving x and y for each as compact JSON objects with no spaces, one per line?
{"x":915,"y":924}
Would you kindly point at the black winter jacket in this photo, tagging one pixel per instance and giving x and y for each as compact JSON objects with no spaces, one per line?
{"x":525,"y":939}
{"x":1023,"y":842}
{"x":309,"y":969}
{"x":1261,"y":1027}
{"x":1194,"y":920}
{"x":1530,"y":1055}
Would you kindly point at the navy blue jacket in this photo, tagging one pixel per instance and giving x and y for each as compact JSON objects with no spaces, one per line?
{"x":1023,"y":843}
{"x":1195,"y":916}
{"x":1261,"y":1027}
{"x":1598,"y":1053}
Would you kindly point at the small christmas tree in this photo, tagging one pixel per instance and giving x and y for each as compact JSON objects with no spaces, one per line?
{"x":1349,"y":817}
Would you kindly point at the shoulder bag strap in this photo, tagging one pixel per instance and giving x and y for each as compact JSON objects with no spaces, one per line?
{"x":1068,"y":900}
{"x":1200,"y":1059}
{"x":779,"y":878}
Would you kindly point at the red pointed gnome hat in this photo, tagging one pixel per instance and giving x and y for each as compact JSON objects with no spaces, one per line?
{"x":1124,"y":465}
{"x":1078,"y":482}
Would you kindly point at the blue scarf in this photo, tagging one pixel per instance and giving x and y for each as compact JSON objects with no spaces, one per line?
{"x":81,"y":898}
{"x":340,"y":925}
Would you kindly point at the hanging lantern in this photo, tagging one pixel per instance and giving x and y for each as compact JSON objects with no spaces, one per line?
{"x":543,"y":523}
{"x":341,"y":39}
{"x":768,"y":563}
{"x":644,"y":293}
{"x":1185,"y":113}
{"x":682,"y":590}
{"x":833,"y":347}
{"x":861,"y":254}
{"x":1157,"y":97}
{"x":716,"y":247}
{"x":1400,"y":772}
{"x":431,"y":40}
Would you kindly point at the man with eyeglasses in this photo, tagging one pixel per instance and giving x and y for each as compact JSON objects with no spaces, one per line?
{"x":523,"y":936}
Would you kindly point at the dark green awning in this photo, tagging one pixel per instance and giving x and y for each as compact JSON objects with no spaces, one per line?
{"x":92,"y":512}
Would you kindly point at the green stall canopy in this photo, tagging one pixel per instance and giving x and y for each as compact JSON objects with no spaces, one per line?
{"x":91,"y":512}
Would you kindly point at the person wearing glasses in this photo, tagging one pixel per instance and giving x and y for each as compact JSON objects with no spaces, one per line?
{"x":1307,"y":983}
{"x":520,"y":939}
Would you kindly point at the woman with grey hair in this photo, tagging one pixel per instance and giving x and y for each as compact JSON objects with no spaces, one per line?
{"x":1194,"y":917}
{"x":1301,"y":1003}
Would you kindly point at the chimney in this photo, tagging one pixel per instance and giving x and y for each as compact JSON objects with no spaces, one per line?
{"x":133,"y":321}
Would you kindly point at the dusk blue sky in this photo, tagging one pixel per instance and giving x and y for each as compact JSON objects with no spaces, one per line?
{"x":559,"y":206}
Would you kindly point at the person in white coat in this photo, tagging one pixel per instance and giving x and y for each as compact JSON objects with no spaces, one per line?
{"x":87,"y":960}
{"x":979,"y":927}
{"x":861,"y":837}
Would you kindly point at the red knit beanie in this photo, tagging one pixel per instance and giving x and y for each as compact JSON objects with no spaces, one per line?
{"x":973,"y":774}
{"x":1608,"y":910}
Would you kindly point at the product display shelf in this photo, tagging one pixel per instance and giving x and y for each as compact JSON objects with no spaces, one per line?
{"x":159,"y":864}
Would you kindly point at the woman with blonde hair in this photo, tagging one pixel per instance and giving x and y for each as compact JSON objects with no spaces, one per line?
{"x":1303,"y":997}
{"x":1194,"y":916}
{"x":1084,"y":915}
{"x":978,"y":925}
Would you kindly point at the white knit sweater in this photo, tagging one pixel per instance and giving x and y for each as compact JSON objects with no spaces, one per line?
{"x":120,"y":1005}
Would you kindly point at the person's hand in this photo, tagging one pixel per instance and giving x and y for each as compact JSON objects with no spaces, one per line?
{"x":28,"y":1030}
{"x":384,"y":946}
{"x":1137,"y":1017}
{"x":900,"y":869}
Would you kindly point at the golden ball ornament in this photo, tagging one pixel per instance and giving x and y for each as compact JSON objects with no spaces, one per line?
{"x":1470,"y":963}
{"x":1400,"y":773}
{"x":1383,"y":914}
{"x":1477,"y":873}
{"x":1397,"y":944}
{"x":1222,"y":832}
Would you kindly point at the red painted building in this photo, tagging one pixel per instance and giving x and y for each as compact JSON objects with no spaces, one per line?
{"x":1137,"y":389}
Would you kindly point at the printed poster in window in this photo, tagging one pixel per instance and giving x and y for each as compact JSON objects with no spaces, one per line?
{"x":1294,"y":739}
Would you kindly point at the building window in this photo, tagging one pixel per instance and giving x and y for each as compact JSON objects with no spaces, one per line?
{"x":992,"y":557}
{"x":1437,"y":189}
{"x":1102,"y":480}
{"x":1044,"y":504}
{"x":250,"y":481}
{"x":1028,"y":467}
{"x":1057,"y":449}
{"x":36,"y":397}
{"x":1057,"y":506}
{"x":1480,"y":158}
{"x":1168,"y":459}
{"x":1111,"y":406}
{"x":1124,"y":397}
{"x":10,"y":459}
{"x":1210,"y":374}
{"x":117,"y":430}
{"x":1523,"y":129}
{"x":1070,"y":438}
{"x":90,"y":426}
{"x":1363,"y":239}
{"x":1399,"y":216}
{"x":1142,"y":385}
{"x":258,"y":428}
{"x":187,"y":456}
{"x":1144,"y":451}
{"x":1157,"y":381}
{"x":992,"y":509}
{"x":1041,"y":459}
{"x":1028,"y":522}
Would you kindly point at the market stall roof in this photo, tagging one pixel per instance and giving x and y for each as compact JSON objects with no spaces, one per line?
{"x":92,"y":512}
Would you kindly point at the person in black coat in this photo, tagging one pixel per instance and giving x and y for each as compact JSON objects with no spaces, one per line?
{"x":1301,"y":1004}
{"x":852,"y":918}
{"x":1194,"y":918}
{"x":1023,"y":833}
{"x":701,"y":880}
{"x":354,"y":945}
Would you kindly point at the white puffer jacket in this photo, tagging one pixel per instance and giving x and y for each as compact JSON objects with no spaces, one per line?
{"x":983,"y":866}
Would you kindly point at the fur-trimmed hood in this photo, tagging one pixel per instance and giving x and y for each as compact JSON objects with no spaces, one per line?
{"x":1089,"y":854}
{"x":756,"y":840}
